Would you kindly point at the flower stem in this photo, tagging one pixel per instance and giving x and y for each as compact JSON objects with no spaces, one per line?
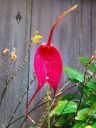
{"x":48,"y":105}
{"x":57,"y":21}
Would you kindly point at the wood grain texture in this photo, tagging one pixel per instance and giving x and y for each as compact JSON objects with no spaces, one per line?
{"x":74,"y":36}
{"x":93,"y":25}
{"x":14,"y":35}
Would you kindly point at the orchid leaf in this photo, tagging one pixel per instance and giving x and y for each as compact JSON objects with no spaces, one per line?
{"x":65,"y":107}
{"x":80,"y":125}
{"x":62,"y":122}
{"x":94,"y":125}
{"x":73,"y":74}
{"x":82,"y":114}
{"x":69,"y":96}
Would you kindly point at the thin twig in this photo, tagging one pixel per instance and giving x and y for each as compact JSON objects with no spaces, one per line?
{"x":36,"y":107}
{"x":20,"y":101}
{"x":28,"y":84}
{"x":27,"y":114}
{"x":16,"y":109}
{"x":14,"y":75}
{"x":90,"y":77}
{"x":59,"y":92}
{"x":24,"y":115}
{"x":83,"y":85}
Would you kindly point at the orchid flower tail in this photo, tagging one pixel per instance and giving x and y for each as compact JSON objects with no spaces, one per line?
{"x":58,"y":20}
{"x":30,"y":101}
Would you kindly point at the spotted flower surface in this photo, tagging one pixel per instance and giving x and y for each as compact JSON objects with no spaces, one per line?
{"x":48,"y":62}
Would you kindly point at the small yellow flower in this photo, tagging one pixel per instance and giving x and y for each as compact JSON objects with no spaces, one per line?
{"x":13,"y":55}
{"x":36,"y":38}
{"x":0,"y":62}
{"x":6,"y":50}
{"x":89,"y":126}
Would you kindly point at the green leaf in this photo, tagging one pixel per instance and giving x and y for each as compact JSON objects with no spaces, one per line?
{"x":94,"y":125}
{"x":91,"y":84}
{"x":82,"y":114}
{"x":80,"y":125}
{"x":85,"y":60}
{"x":74,"y":74}
{"x":92,"y":99}
{"x":90,"y":87}
{"x":33,"y":126}
{"x":65,"y":106}
{"x":93,"y":110}
{"x":69,"y":96}
{"x":62,"y":122}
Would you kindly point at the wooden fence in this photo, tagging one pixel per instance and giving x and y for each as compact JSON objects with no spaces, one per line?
{"x":75,"y":36}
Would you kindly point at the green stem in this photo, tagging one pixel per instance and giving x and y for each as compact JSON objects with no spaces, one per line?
{"x":48,"y":105}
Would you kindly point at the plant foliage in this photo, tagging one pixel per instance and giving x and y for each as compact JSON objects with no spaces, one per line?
{"x":78,"y":110}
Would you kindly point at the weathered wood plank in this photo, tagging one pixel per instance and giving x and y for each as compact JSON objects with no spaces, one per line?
{"x":14,"y":35}
{"x":93,"y":26}
{"x":85,"y":28}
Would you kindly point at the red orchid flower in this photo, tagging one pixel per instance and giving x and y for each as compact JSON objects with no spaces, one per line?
{"x":48,"y":62}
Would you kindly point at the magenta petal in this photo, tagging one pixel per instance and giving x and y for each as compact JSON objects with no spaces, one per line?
{"x":48,"y":65}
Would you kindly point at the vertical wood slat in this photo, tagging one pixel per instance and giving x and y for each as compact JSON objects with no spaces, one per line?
{"x":85,"y":28}
{"x":14,"y":35}
{"x":74,"y":37}
{"x":93,"y":30}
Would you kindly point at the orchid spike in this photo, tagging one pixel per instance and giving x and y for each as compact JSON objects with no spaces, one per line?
{"x":48,"y":62}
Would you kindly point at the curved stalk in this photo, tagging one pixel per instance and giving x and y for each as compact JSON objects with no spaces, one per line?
{"x":57,"y":21}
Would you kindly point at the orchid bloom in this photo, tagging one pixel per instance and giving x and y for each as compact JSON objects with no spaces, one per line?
{"x":48,"y":62}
